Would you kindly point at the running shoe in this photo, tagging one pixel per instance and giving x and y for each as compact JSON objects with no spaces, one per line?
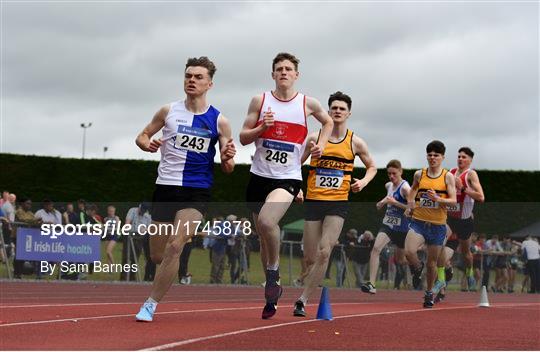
{"x":439,"y":285}
{"x":417,"y":277}
{"x":368,"y":288}
{"x":272,"y":292}
{"x":428,"y":299}
{"x":147,"y":312}
{"x":439,"y":298}
{"x":299,"y":309}
{"x":471,"y":282}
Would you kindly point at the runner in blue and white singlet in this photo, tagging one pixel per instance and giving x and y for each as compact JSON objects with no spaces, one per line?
{"x":191,"y":128}
{"x":394,"y":225}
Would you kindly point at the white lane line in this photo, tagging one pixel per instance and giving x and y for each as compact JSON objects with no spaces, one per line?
{"x":120,"y":303}
{"x":231,"y":333}
{"x":157,"y":313}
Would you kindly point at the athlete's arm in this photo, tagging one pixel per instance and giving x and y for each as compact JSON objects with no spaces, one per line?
{"x":144,"y":138}
{"x":313,"y":107}
{"x":250,"y":131}
{"x":405,"y":189}
{"x":312,"y":138}
{"x":412,"y":193}
{"x":475,"y":190}
{"x":380,"y":204}
{"x":450,"y":189}
{"x":360,"y":148}
{"x":226,"y":145}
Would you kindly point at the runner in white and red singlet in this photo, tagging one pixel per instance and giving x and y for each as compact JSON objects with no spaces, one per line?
{"x":276,"y":123}
{"x":461,"y":218}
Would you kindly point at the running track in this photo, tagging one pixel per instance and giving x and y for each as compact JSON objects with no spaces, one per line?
{"x":100,"y":316}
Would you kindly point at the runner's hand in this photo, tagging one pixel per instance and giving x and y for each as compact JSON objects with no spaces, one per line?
{"x":299,"y":197}
{"x":268,"y":118}
{"x":358,"y":185}
{"x":154,"y":145}
{"x":315,"y":149}
{"x":228,"y":151}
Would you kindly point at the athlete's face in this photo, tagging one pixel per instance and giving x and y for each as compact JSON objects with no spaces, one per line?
{"x":284,"y":74}
{"x":463,"y":160}
{"x":339,"y":111}
{"x":394,"y":174}
{"x":197,"y":81}
{"x":435,"y":159}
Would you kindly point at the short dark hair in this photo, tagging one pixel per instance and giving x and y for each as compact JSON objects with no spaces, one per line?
{"x":436,"y":146}
{"x":202,"y":61}
{"x":341,"y":97}
{"x":285,"y":56}
{"x":394,"y":163}
{"x":467,"y":151}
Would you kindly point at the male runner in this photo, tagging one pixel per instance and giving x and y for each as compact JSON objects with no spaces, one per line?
{"x":276,"y":123}
{"x":395,"y":224}
{"x":433,"y":189}
{"x":328,"y":185}
{"x":191,"y":129}
{"x":461,"y":219}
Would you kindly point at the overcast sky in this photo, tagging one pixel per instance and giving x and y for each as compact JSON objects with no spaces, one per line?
{"x":464,"y":73}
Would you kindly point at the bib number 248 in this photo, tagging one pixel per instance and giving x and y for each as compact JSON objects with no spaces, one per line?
{"x":276,"y":156}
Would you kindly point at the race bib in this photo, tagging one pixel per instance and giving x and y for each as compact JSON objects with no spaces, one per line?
{"x":192,"y":139}
{"x":453,"y":208}
{"x":328,"y":178}
{"x":425,"y":202}
{"x":392,"y":220}
{"x":278,"y":152}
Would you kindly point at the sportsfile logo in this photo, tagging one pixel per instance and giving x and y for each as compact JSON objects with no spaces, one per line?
{"x":217,"y":228}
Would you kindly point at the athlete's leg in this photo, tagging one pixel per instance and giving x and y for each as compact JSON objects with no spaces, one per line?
{"x":276,"y":205}
{"x":311,"y":239}
{"x":171,"y":255}
{"x":262,"y":244}
{"x":413,"y":242}
{"x":433,"y":252}
{"x":381,"y":241}
{"x":331,"y":229}
{"x":158,"y":242}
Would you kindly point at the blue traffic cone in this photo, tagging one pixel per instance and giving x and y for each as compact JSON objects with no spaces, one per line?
{"x":325,"y":309}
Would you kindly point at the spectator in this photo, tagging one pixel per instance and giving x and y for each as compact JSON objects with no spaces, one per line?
{"x":48,"y":214}
{"x":5,"y":198}
{"x":531,"y":250}
{"x":136,"y":217}
{"x":23,"y":215}
{"x":92,"y":215}
{"x":501,"y":257}
{"x":488,"y":262}
{"x":112,"y":224}
{"x":359,"y":249}
{"x":233,"y":248}
{"x":218,"y":252}
{"x":69,"y":216}
{"x":340,"y":259}
{"x":81,"y":213}
{"x":512,"y":264}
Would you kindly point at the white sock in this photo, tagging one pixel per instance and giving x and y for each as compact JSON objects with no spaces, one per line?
{"x":272,"y":267}
{"x":303,"y":299}
{"x":151,"y":300}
